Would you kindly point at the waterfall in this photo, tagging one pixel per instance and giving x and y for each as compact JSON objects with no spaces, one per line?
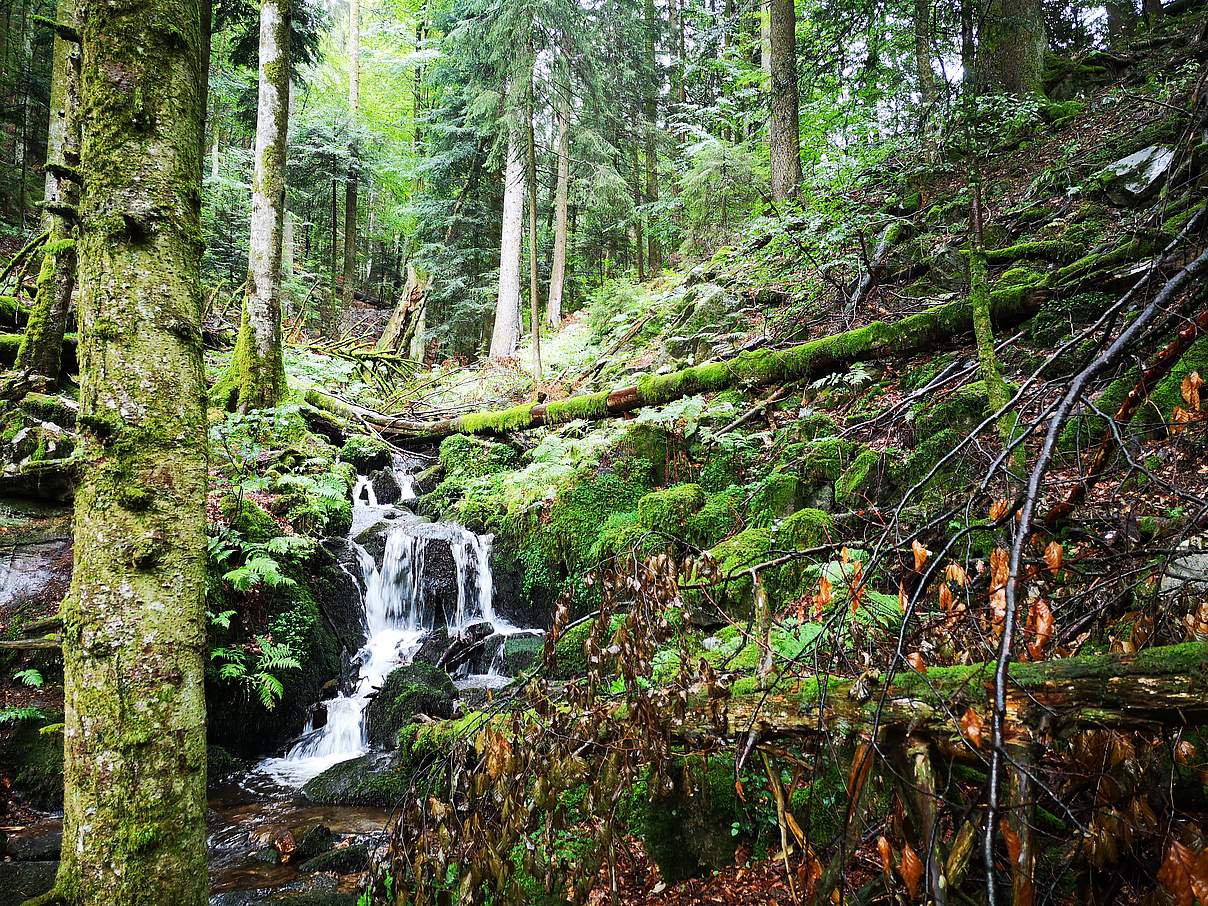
{"x":398,"y":615}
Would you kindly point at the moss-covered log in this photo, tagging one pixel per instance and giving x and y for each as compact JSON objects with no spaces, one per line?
{"x":1165,"y":686}
{"x":134,"y":626}
{"x":754,"y":368}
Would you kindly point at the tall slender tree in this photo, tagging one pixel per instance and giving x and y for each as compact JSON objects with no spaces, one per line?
{"x":534,"y":256}
{"x":506,"y":334}
{"x":557,"y":277}
{"x":134,"y":629}
{"x":1011,"y":45}
{"x":784,"y":127}
{"x":350,"y":182}
{"x":255,"y":377}
{"x":41,"y":348}
{"x":650,"y":115}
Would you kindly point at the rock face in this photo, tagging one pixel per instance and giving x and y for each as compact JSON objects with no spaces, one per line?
{"x":1187,"y":574}
{"x":407,"y":692}
{"x":1138,"y":177}
{"x":385,"y":486}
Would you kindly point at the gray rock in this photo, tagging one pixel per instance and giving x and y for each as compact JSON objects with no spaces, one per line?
{"x":385,"y":486}
{"x":1187,"y":573}
{"x":341,"y":861}
{"x":1138,"y":177}
{"x":20,"y":881}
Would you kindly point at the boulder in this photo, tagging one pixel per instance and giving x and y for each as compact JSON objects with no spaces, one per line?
{"x":433,"y":647}
{"x":521,"y":652}
{"x":1187,"y":572}
{"x":1138,"y":177}
{"x":315,"y":841}
{"x":342,"y":861}
{"x":467,"y":647}
{"x":386,"y":488}
{"x":21,"y":881}
{"x":379,"y":779}
{"x":39,"y":842}
{"x":365,"y":453}
{"x":407,"y":692}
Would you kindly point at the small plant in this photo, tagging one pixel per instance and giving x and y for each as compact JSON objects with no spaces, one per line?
{"x":29,"y":677}
{"x":255,"y":667}
{"x":257,"y":563}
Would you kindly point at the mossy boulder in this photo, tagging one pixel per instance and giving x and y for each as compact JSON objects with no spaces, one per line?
{"x":669,"y":510}
{"x":961,"y":410}
{"x":318,"y":505}
{"x":248,"y":518}
{"x":47,"y":408}
{"x":853,"y":485}
{"x":379,"y":779}
{"x":463,"y":457}
{"x":521,"y":652}
{"x":690,"y":829}
{"x":734,"y":557}
{"x":775,"y":497}
{"x":365,"y":453}
{"x":407,"y":692}
{"x":805,"y":529}
{"x":341,"y":861}
{"x":719,"y":517}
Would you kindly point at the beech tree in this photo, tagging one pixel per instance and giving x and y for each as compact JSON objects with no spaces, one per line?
{"x":557,"y":278}
{"x":134,"y":627}
{"x":506,"y":334}
{"x":350,"y":182}
{"x":256,"y":375}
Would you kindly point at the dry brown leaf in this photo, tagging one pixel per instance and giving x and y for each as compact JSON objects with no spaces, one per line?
{"x":1179,"y":419}
{"x":956,"y":573}
{"x":1185,"y":874}
{"x":998,"y":508}
{"x":945,"y":598}
{"x":1040,"y":628}
{"x":916,"y":662}
{"x":911,"y":870}
{"x":903,"y":598}
{"x":1053,"y":555}
{"x":1190,"y":388}
{"x":1012,"y":840}
{"x":886,"y":855}
{"x":920,"y":554}
{"x":1184,"y":752}
{"x":972,"y":727}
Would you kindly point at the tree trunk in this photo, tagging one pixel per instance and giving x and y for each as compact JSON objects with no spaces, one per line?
{"x":1121,"y":21}
{"x":255,"y":378}
{"x":21,"y":148}
{"x":923,"y":71}
{"x":675,"y":21}
{"x":331,"y":321}
{"x":650,"y":105}
{"x":968,"y":48}
{"x":557,"y":277}
{"x":1010,"y":55}
{"x":506,"y":335}
{"x":534,"y":289}
{"x":350,"y":183}
{"x":1153,"y":12}
{"x":41,"y":348}
{"x":635,"y":228}
{"x":784,"y":125}
{"x":134,"y":628}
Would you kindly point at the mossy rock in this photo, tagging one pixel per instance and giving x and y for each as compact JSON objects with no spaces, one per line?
{"x":521,"y":652}
{"x":365,"y":453}
{"x":669,"y":510}
{"x":776,"y":496}
{"x":852,"y":486}
{"x":342,"y":861}
{"x":319,"y":506}
{"x":570,"y":655}
{"x":805,"y":529}
{"x":961,"y":410}
{"x":249,"y":519}
{"x":719,"y":517}
{"x":221,"y":764}
{"x":34,"y":754}
{"x":407,"y":692}
{"x":689,"y":830}
{"x":734,"y":556}
{"x":377,"y":779}
{"x":1168,"y":395}
{"x":464,"y":457}
{"x":47,"y":408}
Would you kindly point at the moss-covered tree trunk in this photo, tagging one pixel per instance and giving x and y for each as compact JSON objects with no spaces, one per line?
{"x":134,"y":621}
{"x":41,"y":349}
{"x":1010,"y":54}
{"x":784,"y":141}
{"x":350,"y":182}
{"x":256,"y":376}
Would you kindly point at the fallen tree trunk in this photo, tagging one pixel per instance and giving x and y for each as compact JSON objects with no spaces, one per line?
{"x":1166,"y":686}
{"x":754,"y":368}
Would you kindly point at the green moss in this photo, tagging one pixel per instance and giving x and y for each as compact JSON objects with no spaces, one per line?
{"x":720,"y":515}
{"x":589,"y":406}
{"x":406,"y":693}
{"x":49,"y":409}
{"x":1036,"y":249}
{"x":823,"y":460}
{"x":1168,"y":394}
{"x":805,"y":529}
{"x":248,"y":518}
{"x":734,"y":558}
{"x":669,"y":510}
{"x":34,"y":760}
{"x":513,"y":419}
{"x":465,"y":457}
{"x":855,"y":479}
{"x":775,"y":497}
{"x":961,"y":410}
{"x":1020,"y":275}
{"x":365,"y":453}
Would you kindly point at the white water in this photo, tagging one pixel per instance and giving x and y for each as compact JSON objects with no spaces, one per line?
{"x":397,"y":618}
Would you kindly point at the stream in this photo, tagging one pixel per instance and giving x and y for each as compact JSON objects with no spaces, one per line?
{"x":401,"y":610}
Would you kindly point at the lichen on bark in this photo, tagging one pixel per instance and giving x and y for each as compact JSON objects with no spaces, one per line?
{"x":134,"y":621}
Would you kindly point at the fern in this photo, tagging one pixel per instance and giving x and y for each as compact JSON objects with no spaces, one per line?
{"x":11,"y":714}
{"x":30,"y":677}
{"x":271,"y":658}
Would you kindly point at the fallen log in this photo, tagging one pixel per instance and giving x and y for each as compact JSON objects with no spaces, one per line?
{"x":1157,"y":687}
{"x":753,"y":368}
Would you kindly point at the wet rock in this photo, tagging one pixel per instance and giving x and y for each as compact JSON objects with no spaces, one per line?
{"x":379,"y":779}
{"x":521,"y":652}
{"x":37,"y":843}
{"x":20,"y":881}
{"x":427,"y":480}
{"x":1138,"y":177}
{"x":433,"y":647}
{"x":315,"y":841}
{"x":36,"y":760}
{"x":268,"y":855}
{"x":467,"y":647}
{"x":341,"y":861}
{"x":385,"y":486}
{"x":407,"y":692}
{"x":221,"y":764}
{"x":365,"y":453}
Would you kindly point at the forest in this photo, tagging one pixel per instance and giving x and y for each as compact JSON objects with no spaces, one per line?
{"x":659,"y":452}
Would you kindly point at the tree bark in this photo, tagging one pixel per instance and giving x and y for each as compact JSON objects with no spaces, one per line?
{"x":924,"y":74}
{"x":650,"y":111}
{"x":1010,"y":56}
{"x":506,"y":335}
{"x":350,"y":182}
{"x":255,"y":378}
{"x":534,"y":288}
{"x":134,"y":629}
{"x":557,"y":277}
{"x":784,"y":127}
{"x":41,"y":348}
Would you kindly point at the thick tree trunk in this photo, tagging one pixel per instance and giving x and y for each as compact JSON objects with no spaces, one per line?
{"x":350,"y":182}
{"x":1010,"y":55}
{"x":41,"y":348}
{"x":924,"y":74}
{"x":255,"y":378}
{"x":134,"y":629}
{"x":506,"y":335}
{"x":650,"y":111}
{"x":784,"y":127}
{"x":557,"y":277}
{"x":534,"y":288}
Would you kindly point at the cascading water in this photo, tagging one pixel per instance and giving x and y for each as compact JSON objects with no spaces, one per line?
{"x":398,"y":616}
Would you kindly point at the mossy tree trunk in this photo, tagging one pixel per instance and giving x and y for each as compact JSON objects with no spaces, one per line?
{"x":1010,"y":54}
{"x":784,"y":127}
{"x":41,"y":349}
{"x":350,"y":182}
{"x":255,"y":378}
{"x":134,"y":622}
{"x":531,"y":179}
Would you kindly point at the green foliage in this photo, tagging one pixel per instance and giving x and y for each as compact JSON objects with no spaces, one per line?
{"x":365,"y":453}
{"x":255,"y":667}
{"x":406,"y":693}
